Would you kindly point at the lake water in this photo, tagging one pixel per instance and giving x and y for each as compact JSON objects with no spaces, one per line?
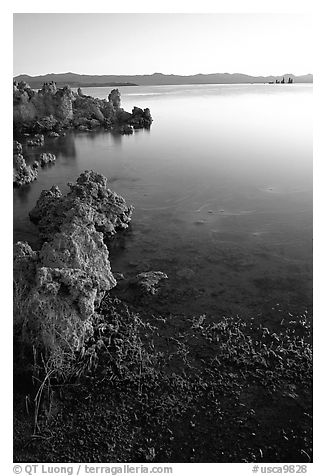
{"x":222,"y":189}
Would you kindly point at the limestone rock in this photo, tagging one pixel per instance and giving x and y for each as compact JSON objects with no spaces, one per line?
{"x":17,"y":148}
{"x":147,"y":282}
{"x":31,"y":107}
{"x":59,"y":288}
{"x":18,"y":161}
{"x":63,"y":105}
{"x":94,"y":123}
{"x":85,"y":109}
{"x":22,"y":173}
{"x":108,"y":112}
{"x":24,"y":264}
{"x":123,"y":129}
{"x":61,"y":285}
{"x":46,"y":158}
{"x":73,"y":273}
{"x":141,"y":118}
{"x":83,"y":128}
{"x":111,"y":212}
{"x":45,"y":124}
{"x":123,"y":117}
{"x":80,"y":247}
{"x":47,"y":212}
{"x":115,"y":98}
{"x":24,"y":110}
{"x":53,"y":108}
{"x":36,"y":141}
{"x":49,"y":88}
{"x":89,"y":199}
{"x":80,"y":93}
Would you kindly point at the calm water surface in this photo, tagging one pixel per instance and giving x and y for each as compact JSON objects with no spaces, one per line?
{"x":222,"y":189}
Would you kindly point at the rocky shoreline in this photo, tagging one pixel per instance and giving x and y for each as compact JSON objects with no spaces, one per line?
{"x":63,"y":283}
{"x":51,"y":111}
{"x":24,"y":173}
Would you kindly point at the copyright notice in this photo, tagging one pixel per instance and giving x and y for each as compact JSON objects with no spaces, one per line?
{"x":32,"y":469}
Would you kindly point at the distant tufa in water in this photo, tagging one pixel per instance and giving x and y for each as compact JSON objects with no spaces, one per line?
{"x":277,"y":81}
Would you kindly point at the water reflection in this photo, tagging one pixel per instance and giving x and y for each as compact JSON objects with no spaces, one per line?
{"x":63,"y":146}
{"x":222,"y":189}
{"x":21,"y":193}
{"x":117,"y":138}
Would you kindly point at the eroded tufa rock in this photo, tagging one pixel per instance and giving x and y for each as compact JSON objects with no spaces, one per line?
{"x":124,"y":129}
{"x":147,"y":282}
{"x":46,"y":158}
{"x":22,"y":173}
{"x":65,"y":280}
{"x":45,"y":124}
{"x":61,"y":285}
{"x":41,"y":109}
{"x":17,"y":148}
{"x":24,"y":263}
{"x":36,"y":141}
{"x":80,"y":247}
{"x":50,"y":109}
{"x":89,"y":199}
{"x":115,"y":98}
{"x":54,"y":134}
{"x":141,"y":118}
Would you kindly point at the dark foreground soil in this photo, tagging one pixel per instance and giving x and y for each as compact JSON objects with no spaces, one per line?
{"x":155,"y":387}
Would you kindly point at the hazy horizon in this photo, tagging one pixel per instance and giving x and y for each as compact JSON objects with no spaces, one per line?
{"x":165,"y":74}
{"x":144,"y":43}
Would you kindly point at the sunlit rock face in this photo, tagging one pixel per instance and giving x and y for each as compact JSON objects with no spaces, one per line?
{"x":65,"y":280}
{"x":60,"y":286}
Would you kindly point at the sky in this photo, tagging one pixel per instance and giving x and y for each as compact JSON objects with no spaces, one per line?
{"x":129,"y":43}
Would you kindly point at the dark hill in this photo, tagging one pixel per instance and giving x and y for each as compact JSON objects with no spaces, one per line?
{"x":84,"y":80}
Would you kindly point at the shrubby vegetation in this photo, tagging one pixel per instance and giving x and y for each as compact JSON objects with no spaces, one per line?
{"x":218,"y":390}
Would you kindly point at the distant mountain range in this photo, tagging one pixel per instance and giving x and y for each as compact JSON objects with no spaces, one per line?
{"x":85,"y":80}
